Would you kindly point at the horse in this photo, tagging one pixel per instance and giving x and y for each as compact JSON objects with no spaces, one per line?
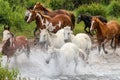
{"x":105,"y":32}
{"x":39,"y":7}
{"x":87,"y":21}
{"x":82,"y":40}
{"x":49,"y":39}
{"x":44,"y":21}
{"x":13,"y":46}
{"x":68,"y":52}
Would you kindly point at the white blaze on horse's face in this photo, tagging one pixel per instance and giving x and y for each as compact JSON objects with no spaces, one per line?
{"x":43,"y":36}
{"x":27,"y":13}
{"x":91,"y":27}
{"x":6,"y":35}
{"x":29,"y":17}
{"x":67,"y":33}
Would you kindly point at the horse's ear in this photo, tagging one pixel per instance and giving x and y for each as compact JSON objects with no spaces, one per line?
{"x":38,"y":3}
{"x":6,"y":27}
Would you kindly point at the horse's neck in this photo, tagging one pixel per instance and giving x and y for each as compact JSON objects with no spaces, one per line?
{"x":46,"y":10}
{"x":42,"y":19}
{"x":72,"y":38}
{"x":38,"y":22}
{"x":101,"y":28}
{"x":51,"y":38}
{"x":86,"y":19}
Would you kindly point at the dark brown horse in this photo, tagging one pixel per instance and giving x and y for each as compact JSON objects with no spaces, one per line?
{"x":44,"y":21}
{"x":106,"y":32}
{"x":13,"y":46}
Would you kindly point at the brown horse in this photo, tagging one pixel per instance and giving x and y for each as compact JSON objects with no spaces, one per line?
{"x":13,"y":46}
{"x":41,"y":8}
{"x":44,"y":21}
{"x":105,"y":32}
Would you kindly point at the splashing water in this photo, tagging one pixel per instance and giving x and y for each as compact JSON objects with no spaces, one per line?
{"x":36,"y":67}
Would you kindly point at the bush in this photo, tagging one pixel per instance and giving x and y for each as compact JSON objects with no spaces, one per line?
{"x":114,"y":8}
{"x":92,"y":9}
{"x":62,"y":4}
{"x":4,"y":12}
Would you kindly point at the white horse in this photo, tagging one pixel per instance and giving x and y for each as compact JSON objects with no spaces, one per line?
{"x":82,"y":40}
{"x":68,"y":52}
{"x":13,"y":46}
{"x":51,"y":39}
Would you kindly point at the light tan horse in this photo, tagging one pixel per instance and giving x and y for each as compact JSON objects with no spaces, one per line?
{"x":106,"y":32}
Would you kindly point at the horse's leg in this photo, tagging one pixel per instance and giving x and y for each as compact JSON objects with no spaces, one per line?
{"x":103,"y":45}
{"x":28,"y":51}
{"x":115,"y":44}
{"x":35,"y":32}
{"x":99,"y":48}
{"x":76,"y":63}
{"x":90,"y":32}
{"x":112,"y":43}
{"x":8,"y":61}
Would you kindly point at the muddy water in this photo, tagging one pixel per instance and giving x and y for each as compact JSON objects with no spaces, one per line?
{"x":99,"y":67}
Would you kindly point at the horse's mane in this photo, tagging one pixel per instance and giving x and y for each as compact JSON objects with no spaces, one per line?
{"x":87,"y":17}
{"x":46,"y":16}
{"x":98,"y":20}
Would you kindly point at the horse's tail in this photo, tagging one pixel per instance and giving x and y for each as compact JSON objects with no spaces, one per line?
{"x":73,"y":20}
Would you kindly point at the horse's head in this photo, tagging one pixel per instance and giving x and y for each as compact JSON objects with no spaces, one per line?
{"x":30,"y":15}
{"x":52,"y":53}
{"x":67,"y":33}
{"x":79,"y":19}
{"x":37,"y":6}
{"x":43,"y":36}
{"x":6,"y":33}
{"x":40,"y":7}
{"x":94,"y":23}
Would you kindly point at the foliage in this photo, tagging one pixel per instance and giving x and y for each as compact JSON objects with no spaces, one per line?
{"x":12,"y":11}
{"x":61,"y":4}
{"x":114,"y":8}
{"x":92,"y":9}
{"x":4,"y":12}
{"x":6,"y":74}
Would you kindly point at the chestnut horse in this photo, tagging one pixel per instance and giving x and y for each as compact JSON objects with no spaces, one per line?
{"x":13,"y":46}
{"x":41,"y":8}
{"x":87,"y":21}
{"x":44,"y":21}
{"x":105,"y":32}
{"x":45,"y":11}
